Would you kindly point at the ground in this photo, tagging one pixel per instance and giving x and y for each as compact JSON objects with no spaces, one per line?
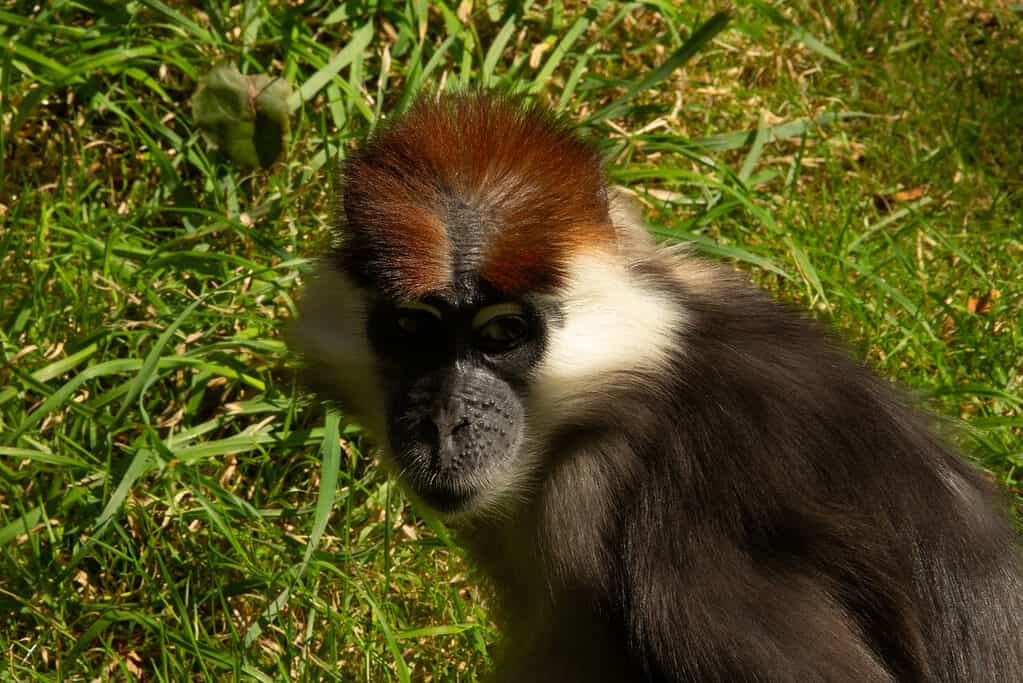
{"x":172,"y":508}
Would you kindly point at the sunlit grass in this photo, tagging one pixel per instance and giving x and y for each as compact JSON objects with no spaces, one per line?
{"x":172,"y":509}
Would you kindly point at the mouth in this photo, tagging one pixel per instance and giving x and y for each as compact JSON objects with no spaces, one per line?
{"x":440,"y":478}
{"x":448,"y":457}
{"x":444,"y":497}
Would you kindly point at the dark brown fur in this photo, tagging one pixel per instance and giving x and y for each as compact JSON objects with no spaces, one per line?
{"x":756,"y":507}
{"x":778,"y":514}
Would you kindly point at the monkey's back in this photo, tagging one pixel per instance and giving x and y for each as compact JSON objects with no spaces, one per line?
{"x":805,"y":487}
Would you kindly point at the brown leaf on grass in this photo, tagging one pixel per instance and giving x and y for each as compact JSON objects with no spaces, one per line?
{"x":982,"y":304}
{"x":885,"y":203}
{"x":536,"y":54}
{"x":911,"y":194}
{"x":948,"y":326}
{"x":978,"y":305}
{"x":982,"y":20}
{"x":132,"y":662}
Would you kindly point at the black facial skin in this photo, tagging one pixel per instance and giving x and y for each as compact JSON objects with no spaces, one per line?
{"x":455,"y":410}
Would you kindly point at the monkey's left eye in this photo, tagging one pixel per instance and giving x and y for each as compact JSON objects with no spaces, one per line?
{"x":501,"y":327}
{"x":415,"y":322}
{"x":416,"y":319}
{"x":502,"y":333}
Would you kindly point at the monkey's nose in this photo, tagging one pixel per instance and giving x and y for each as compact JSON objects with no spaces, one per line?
{"x":446,"y":422}
{"x":450,"y":418}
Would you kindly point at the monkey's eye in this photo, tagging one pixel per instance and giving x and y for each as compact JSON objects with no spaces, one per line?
{"x":500,"y":328}
{"x":414,"y":318}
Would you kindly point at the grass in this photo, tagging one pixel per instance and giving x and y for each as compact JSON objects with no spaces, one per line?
{"x":172,"y":509}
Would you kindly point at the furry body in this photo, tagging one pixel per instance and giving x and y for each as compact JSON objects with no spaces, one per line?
{"x":680,"y":479}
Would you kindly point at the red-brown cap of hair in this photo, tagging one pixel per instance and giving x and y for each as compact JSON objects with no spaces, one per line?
{"x":536,"y":188}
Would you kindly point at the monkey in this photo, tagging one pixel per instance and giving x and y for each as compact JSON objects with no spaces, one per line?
{"x":665,"y":473}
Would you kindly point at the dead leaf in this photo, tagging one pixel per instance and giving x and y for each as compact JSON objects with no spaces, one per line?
{"x":132,"y":662}
{"x":885,"y":203}
{"x":982,"y":304}
{"x":536,"y":54}
{"x":948,"y":326}
{"x":910,"y":195}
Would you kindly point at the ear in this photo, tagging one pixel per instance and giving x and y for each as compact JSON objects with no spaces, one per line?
{"x":330,"y":334}
{"x":631,"y":231}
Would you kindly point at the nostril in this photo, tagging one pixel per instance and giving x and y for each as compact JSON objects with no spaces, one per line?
{"x":449,"y":418}
{"x":429,"y":432}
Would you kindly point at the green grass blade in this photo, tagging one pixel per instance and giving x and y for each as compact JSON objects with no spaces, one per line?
{"x":393,"y":647}
{"x":58,"y":368}
{"x":808,"y":271}
{"x":798,"y":32}
{"x":59,"y":397}
{"x":42,"y":456}
{"x":723,"y":142}
{"x":22,"y":525}
{"x":144,"y":459}
{"x":565,"y":44}
{"x":755,"y":151}
{"x":180,"y":20}
{"x":890,"y":219}
{"x":495,"y":51}
{"x":330,"y":452}
{"x":703,"y":34}
{"x":361,"y":38}
{"x":147,"y":373}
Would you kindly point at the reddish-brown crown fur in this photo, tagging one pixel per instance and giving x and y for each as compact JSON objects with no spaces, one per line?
{"x":533,"y":191}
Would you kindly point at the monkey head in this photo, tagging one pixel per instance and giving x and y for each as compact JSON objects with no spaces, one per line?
{"x":475,"y":293}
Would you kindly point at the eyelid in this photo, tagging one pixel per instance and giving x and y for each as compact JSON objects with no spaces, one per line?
{"x":488,"y":313}
{"x":419,"y":306}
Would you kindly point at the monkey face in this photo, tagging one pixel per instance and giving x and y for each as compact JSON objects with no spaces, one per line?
{"x":479,"y":297}
{"x":453,"y":367}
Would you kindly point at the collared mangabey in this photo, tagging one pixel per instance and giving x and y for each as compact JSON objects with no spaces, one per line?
{"x":666,"y":475}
